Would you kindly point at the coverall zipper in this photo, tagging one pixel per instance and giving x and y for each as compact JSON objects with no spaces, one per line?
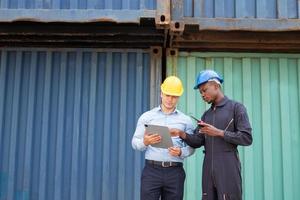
{"x":212,"y":149}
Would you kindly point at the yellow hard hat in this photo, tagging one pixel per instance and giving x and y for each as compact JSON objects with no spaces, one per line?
{"x":172,"y":86}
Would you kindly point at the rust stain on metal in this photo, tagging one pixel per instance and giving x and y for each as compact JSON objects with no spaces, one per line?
{"x":26,"y":19}
{"x":104,"y":19}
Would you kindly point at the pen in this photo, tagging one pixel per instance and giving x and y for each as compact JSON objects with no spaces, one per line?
{"x":228,"y":124}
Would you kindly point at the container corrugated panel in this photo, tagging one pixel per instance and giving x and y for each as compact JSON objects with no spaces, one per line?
{"x":77,"y":11}
{"x":268,"y":15}
{"x":269,"y":86}
{"x":66,"y":122}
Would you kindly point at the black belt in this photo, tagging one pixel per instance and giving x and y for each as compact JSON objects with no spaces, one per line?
{"x":164,"y":163}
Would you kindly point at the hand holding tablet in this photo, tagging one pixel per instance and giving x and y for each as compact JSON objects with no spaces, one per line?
{"x":163,"y":132}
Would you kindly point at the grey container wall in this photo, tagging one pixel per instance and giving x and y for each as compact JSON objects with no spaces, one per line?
{"x":77,"y":10}
{"x":67,"y":117}
{"x":252,"y":15}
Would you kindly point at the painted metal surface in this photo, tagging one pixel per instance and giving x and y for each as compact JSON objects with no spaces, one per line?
{"x":122,"y":11}
{"x":267,"y":15}
{"x":269,"y":86}
{"x":66,"y":122}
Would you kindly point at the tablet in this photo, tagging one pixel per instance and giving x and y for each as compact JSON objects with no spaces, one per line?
{"x":163,"y":131}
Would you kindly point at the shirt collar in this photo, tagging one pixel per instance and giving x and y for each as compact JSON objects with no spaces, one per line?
{"x":160,"y":110}
{"x":221,"y":103}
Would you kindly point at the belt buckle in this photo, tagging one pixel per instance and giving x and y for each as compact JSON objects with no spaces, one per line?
{"x":163,"y":164}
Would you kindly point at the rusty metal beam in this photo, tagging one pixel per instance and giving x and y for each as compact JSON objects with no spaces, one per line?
{"x":233,"y":24}
{"x":238,"y":40}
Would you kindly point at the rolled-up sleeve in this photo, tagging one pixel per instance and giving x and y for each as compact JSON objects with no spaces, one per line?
{"x":137,"y":141}
{"x":188,"y":150}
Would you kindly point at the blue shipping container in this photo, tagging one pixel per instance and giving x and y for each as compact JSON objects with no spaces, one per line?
{"x":123,"y":11}
{"x":66,"y":122}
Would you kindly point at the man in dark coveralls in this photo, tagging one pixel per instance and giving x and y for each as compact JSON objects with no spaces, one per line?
{"x":223,"y":127}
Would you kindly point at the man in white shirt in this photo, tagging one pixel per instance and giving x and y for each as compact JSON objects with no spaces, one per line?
{"x":163,"y":175}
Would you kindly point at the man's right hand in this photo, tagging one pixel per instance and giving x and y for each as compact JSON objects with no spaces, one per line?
{"x":151,"y":139}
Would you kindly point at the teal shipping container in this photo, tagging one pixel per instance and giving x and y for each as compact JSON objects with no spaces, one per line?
{"x":269,"y":86}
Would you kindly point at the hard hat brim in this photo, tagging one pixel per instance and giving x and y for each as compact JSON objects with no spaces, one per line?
{"x":172,"y":94}
{"x":198,"y":85}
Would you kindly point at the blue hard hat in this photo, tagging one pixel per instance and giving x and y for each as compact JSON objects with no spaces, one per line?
{"x":205,"y":76}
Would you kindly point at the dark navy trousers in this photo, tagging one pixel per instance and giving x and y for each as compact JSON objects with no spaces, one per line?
{"x":164,"y":182}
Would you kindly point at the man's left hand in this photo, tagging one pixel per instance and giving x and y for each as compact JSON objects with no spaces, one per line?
{"x":175,"y":151}
{"x":210,"y":130}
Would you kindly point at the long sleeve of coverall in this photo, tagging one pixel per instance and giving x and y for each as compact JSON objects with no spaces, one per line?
{"x":239,"y":135}
{"x":195,"y":140}
{"x":242,"y":134}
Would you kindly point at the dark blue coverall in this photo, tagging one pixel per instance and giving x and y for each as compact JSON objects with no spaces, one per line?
{"x":221,"y":178}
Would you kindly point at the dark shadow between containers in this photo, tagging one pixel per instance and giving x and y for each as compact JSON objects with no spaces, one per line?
{"x":92,"y":34}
